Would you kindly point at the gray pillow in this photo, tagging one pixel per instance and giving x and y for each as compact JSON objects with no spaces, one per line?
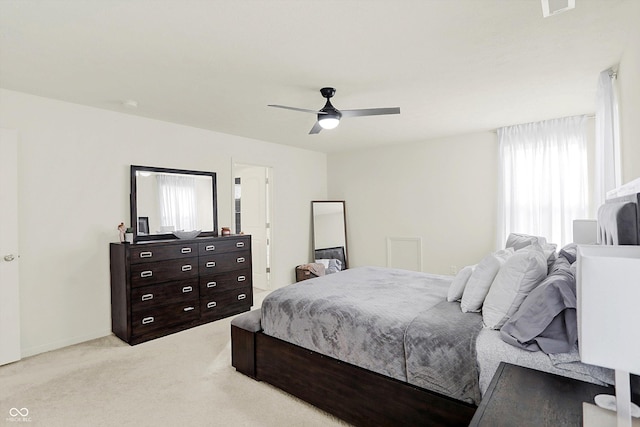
{"x":569,"y":252}
{"x":546,"y":320}
{"x":335,"y":265}
{"x":560,"y":264}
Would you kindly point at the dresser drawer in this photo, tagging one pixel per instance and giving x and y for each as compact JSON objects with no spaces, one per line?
{"x":159,"y":317}
{"x":226,"y":303}
{"x":213,"y":264}
{"x":146,"y":297}
{"x":225,"y":281}
{"x":158,"y":272}
{"x":151,"y":253}
{"x":231,"y":245}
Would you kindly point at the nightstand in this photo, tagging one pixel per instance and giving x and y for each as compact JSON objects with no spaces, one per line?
{"x":520,"y":397}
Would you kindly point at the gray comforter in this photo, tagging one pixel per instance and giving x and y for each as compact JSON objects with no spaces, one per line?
{"x":394,"y":322}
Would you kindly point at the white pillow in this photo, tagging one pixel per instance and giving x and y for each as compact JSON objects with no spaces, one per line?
{"x":519,"y":241}
{"x":481,"y":279}
{"x":548,"y":249}
{"x":519,"y":275}
{"x":459,"y":282}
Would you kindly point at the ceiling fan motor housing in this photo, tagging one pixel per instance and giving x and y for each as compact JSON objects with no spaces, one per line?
{"x":327,"y":92}
{"x":328,"y":116}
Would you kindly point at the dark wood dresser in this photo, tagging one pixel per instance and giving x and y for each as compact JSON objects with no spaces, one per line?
{"x":162,"y":287}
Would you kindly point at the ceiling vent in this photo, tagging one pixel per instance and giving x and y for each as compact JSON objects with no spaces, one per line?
{"x":553,"y":7}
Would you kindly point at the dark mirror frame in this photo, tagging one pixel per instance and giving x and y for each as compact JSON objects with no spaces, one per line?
{"x":134,"y":198}
{"x":339,"y":252}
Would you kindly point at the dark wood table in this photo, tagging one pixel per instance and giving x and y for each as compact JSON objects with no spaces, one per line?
{"x":520,"y":397}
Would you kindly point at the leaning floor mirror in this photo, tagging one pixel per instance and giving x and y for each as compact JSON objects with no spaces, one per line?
{"x":330,"y":234}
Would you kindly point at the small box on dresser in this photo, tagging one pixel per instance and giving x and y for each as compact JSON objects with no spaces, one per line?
{"x":162,"y":287}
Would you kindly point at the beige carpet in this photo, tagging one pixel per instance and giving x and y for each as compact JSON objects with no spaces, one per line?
{"x":184,"y":379}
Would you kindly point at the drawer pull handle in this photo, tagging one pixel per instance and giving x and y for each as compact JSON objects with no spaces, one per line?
{"x":185,"y":250}
{"x":211,"y":264}
{"x":240,"y":245}
{"x":186,"y":267}
{"x":240,"y":259}
{"x":147,"y":273}
{"x":187,"y":289}
{"x":211,"y":304}
{"x":211,"y":284}
{"x":241,"y":297}
{"x":210,"y":248}
{"x":188,"y":308}
{"x":148,"y":254}
{"x":241,"y":278}
{"x":147,"y":320}
{"x":147,"y":297}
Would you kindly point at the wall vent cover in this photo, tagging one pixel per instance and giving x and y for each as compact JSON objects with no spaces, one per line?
{"x":553,"y":7}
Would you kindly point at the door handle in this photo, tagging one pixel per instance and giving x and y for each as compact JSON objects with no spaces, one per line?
{"x":9,"y":257}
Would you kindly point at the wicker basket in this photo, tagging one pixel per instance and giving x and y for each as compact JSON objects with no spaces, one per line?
{"x":303,"y":274}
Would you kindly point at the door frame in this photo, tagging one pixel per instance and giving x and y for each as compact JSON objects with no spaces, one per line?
{"x":10,"y":339}
{"x":269,"y":196}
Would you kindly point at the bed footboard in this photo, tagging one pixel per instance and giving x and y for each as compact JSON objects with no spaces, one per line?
{"x":243,"y":342}
{"x":351,"y":393}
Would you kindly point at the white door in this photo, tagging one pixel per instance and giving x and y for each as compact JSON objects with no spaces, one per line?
{"x":254,"y":218}
{"x":9,"y":295}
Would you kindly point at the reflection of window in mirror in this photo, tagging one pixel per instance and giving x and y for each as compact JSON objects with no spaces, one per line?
{"x":237,"y":197}
{"x":178,"y":202}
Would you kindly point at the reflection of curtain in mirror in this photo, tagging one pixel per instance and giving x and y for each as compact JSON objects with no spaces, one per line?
{"x":178,"y":207}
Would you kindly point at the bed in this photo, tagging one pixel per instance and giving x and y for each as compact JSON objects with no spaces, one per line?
{"x":424,"y":362}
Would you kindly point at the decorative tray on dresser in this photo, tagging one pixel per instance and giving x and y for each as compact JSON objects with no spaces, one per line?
{"x":162,"y":287}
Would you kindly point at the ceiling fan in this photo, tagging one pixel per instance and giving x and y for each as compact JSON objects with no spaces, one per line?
{"x":329,"y":116}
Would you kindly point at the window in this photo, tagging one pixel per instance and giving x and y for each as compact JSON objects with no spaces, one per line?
{"x":544,"y":178}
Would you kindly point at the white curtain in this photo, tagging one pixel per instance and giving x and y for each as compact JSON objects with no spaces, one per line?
{"x":178,"y":203}
{"x":544,"y":178}
{"x":607,"y":152}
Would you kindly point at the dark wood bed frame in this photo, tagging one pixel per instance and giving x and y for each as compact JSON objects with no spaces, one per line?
{"x":353,"y":394}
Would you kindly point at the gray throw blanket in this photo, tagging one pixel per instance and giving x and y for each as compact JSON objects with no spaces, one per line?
{"x":440,"y":345}
{"x":365,"y":316}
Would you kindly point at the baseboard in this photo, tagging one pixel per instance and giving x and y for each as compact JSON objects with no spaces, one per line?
{"x":56,"y":345}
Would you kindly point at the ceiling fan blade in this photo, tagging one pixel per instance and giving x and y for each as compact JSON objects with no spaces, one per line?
{"x":370,"y":112}
{"x":304,"y":110}
{"x":315,"y":129}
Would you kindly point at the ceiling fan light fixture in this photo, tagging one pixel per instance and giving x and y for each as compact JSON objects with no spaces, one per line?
{"x":329,"y":117}
{"x":327,"y":121}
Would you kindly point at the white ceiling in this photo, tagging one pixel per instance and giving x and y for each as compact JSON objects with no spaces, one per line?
{"x":452,"y":66}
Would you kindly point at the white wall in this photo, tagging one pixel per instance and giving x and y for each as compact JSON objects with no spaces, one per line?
{"x":73,"y":166}
{"x":629,"y":100}
{"x":443,"y":191}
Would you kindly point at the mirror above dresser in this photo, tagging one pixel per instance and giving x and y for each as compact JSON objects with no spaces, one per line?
{"x":167,"y":200}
